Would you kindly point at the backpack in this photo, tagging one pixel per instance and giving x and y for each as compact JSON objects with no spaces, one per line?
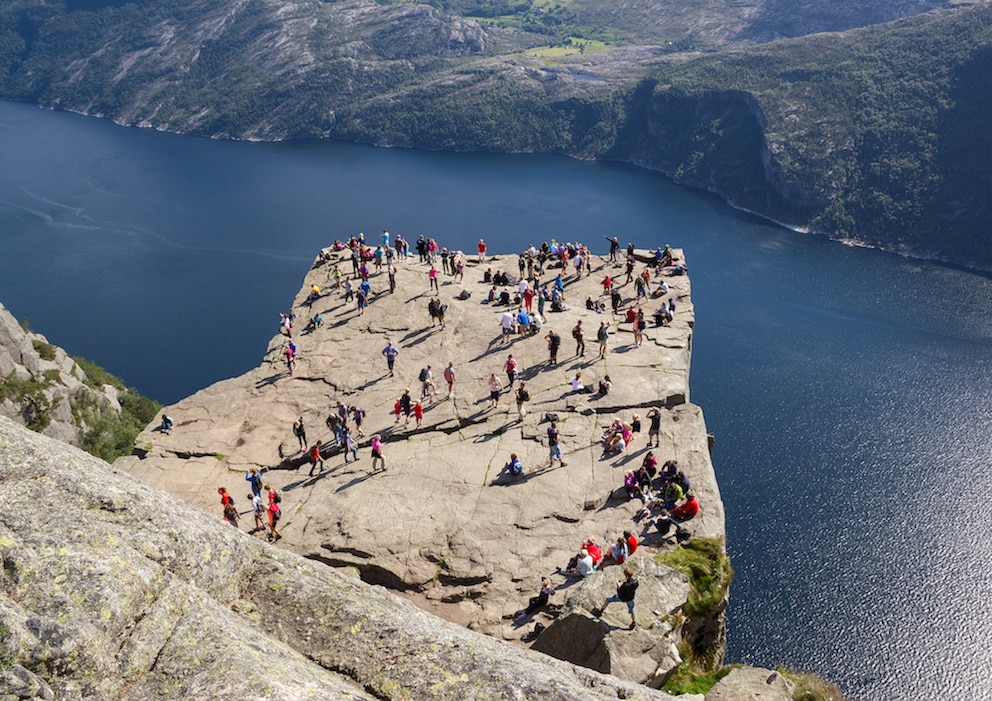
{"x":603,"y":334}
{"x":682,"y":534}
{"x":523,"y":395}
{"x":576,"y":333}
{"x":423,"y":375}
{"x":278,"y":498}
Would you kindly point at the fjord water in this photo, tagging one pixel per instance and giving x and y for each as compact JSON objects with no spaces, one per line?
{"x":848,"y":389}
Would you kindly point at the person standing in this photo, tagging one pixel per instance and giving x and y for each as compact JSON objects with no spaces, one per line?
{"x":481,"y":248}
{"x":554,"y":445}
{"x":554,"y":342}
{"x":258,"y":511}
{"x":390,"y":351}
{"x":406,"y":404}
{"x":391,"y":272}
{"x":255,"y":480}
{"x":626,"y":588}
{"x":376,"y":444}
{"x":300,"y":431}
{"x":432,"y":276}
{"x":654,"y":430}
{"x":449,"y":377}
{"x":495,"y":387}
{"x":602,"y":335}
{"x":418,"y":414}
{"x":580,"y":341}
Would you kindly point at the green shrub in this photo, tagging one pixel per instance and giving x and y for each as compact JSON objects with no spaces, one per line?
{"x":709,"y":572}
{"x":45,"y":350}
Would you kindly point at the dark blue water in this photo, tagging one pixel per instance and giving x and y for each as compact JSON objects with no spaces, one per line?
{"x":848,"y":389}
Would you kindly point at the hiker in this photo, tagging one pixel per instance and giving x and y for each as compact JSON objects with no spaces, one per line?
{"x":511,"y":370}
{"x":626,"y":588}
{"x":376,"y":445}
{"x":390,"y":351}
{"x":580,"y":341}
{"x":449,"y":377}
{"x":231,"y":515}
{"x":616,"y":555}
{"x":300,"y":431}
{"x":358,"y":415}
{"x":481,"y":248}
{"x":554,"y":447}
{"x":258,"y":511}
{"x":554,"y":342}
{"x":495,"y":387}
{"x":432,"y":276}
{"x":427,"y":386}
{"x":255,"y":479}
{"x":654,"y":430}
{"x":315,"y":458}
{"x":349,"y":445}
{"x":406,"y":404}
{"x":523,"y":396}
{"x":536,"y":602}
{"x":583,"y":566}
{"x":687,"y":509}
{"x":418,"y":413}
{"x":602,"y":335}
{"x":514,"y":467}
{"x":166,"y":425}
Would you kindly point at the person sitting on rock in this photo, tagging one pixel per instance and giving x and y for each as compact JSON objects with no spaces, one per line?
{"x":672,"y":494}
{"x":536,"y":602}
{"x":617,"y":554}
{"x":583,"y":566}
{"x":166,"y":425}
{"x":605,"y":386}
{"x":595,"y":552}
{"x":669,"y":470}
{"x":514,"y":467}
{"x":630,"y":485}
{"x":686,"y":509}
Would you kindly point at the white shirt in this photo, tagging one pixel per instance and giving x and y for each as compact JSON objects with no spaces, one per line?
{"x":523,"y":285}
{"x":508,"y":320}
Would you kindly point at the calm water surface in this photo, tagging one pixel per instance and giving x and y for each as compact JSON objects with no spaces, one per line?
{"x":848,"y":389}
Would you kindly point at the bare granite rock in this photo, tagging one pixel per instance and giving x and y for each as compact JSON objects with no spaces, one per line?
{"x":752,"y":684}
{"x":42,"y":387}
{"x":442,"y":525}
{"x":111,"y":589}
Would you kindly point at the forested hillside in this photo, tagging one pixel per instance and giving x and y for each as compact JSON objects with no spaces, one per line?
{"x":875,"y":134}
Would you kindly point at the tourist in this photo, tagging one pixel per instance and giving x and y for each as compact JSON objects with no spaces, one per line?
{"x":300,"y":431}
{"x":626,"y":589}
{"x":614,"y":249}
{"x":349,"y":446}
{"x":376,"y":445}
{"x":511,"y":370}
{"x":391,"y":272}
{"x":686,"y":509}
{"x":390,"y":351}
{"x":554,"y":342}
{"x":441,"y":309}
{"x":650,"y":465}
{"x":449,"y":377}
{"x":432,"y":310}
{"x":631,"y":485}
{"x":580,"y":342}
{"x":231,"y":515}
{"x":513,"y":467}
{"x":507,"y":322}
{"x":554,"y":445}
{"x":481,"y":248}
{"x":617,"y":554}
{"x":427,"y":387}
{"x":602,"y":335}
{"x":290,"y":359}
{"x":315,"y":458}
{"x":275,"y":513}
{"x":166,"y":425}
{"x":523,"y":396}
{"x":577,"y":385}
{"x":536,"y":602}
{"x":583,"y":566}
{"x":615,"y":300}
{"x":605,"y":386}
{"x":258,"y":511}
{"x":639,"y":325}
{"x":358,"y":416}
{"x":432,"y":276}
{"x":255,"y":480}
{"x":654,"y":430}
{"x":406,"y":404}
{"x":631,"y":541}
{"x":418,"y":413}
{"x":495,"y":387}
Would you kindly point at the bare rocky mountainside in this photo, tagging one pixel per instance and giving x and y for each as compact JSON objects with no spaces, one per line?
{"x":863,"y":121}
{"x":113,"y":589}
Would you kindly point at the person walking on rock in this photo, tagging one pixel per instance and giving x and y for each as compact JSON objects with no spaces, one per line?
{"x":390,"y":351}
{"x":300,"y":431}
{"x":376,"y":444}
{"x":495,"y":387}
{"x":255,"y":480}
{"x":258,"y":511}
{"x":523,"y":396}
{"x":432,"y":276}
{"x":602,"y":335}
{"x":315,"y":458}
{"x":626,"y":589}
{"x":511,"y":370}
{"x":349,"y":446}
{"x":554,"y":445}
{"x":449,"y":377}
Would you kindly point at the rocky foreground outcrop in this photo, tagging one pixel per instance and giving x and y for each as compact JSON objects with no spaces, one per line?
{"x":442,"y":525}
{"x":111,"y":589}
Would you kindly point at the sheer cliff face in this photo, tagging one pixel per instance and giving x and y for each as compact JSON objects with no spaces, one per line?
{"x":111,"y":589}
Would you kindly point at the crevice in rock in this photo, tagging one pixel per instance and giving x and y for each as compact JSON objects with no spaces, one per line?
{"x":368,"y":572}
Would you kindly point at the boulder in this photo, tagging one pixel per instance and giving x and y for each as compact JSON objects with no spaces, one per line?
{"x":647,"y":653}
{"x":752,"y":684}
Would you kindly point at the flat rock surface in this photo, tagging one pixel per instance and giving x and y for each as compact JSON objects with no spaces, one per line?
{"x":440,"y":524}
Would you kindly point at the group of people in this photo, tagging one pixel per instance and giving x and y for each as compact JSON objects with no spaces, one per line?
{"x":267,"y":513}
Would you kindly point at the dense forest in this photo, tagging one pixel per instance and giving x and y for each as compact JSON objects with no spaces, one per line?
{"x":874,"y":134}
